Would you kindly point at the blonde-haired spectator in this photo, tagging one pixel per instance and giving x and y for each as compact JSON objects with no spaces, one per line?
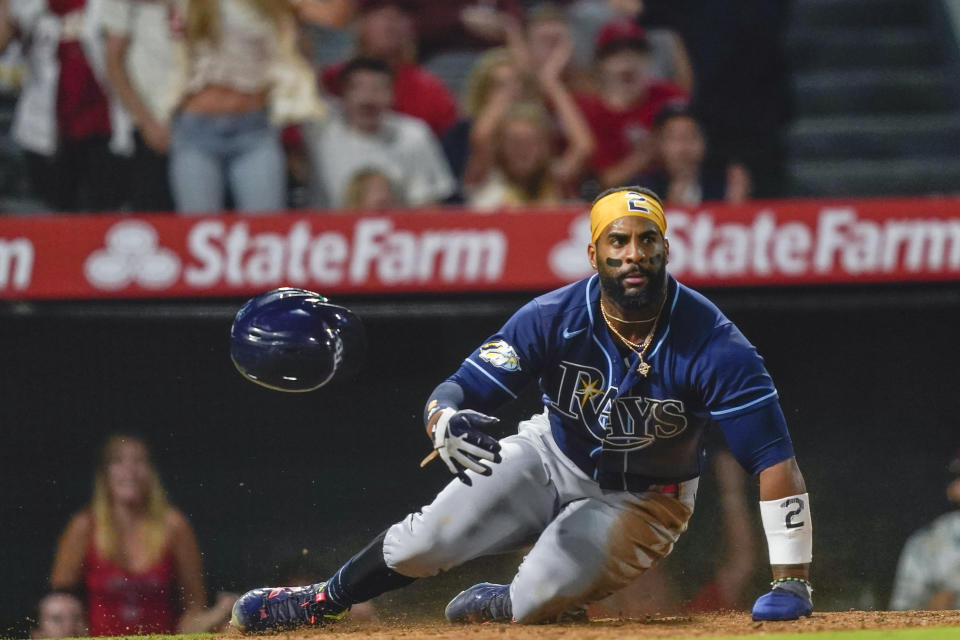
{"x":239,"y":76}
{"x":521,"y":165}
{"x":548,"y":118}
{"x":370,"y":189}
{"x":134,"y":553}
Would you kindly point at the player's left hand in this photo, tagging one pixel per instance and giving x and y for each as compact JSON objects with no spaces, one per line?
{"x":462,"y":445}
{"x":786,"y":601}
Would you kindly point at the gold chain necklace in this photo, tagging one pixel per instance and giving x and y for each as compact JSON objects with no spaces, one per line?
{"x":643,"y":367}
{"x":625,"y":321}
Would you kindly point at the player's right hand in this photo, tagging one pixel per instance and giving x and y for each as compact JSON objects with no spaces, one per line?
{"x":462,"y":446}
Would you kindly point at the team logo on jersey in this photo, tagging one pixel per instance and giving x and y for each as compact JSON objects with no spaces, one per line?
{"x":501,"y":355}
{"x":626,"y":422}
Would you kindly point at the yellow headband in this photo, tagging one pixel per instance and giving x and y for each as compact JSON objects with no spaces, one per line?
{"x":625,"y":203}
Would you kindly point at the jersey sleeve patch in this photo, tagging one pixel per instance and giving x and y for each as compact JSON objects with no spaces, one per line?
{"x":500,"y":354}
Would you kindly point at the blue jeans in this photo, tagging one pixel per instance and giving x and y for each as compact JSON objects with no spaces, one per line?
{"x":208,"y":152}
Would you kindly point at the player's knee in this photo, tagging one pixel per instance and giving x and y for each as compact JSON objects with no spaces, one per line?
{"x":414,"y":556}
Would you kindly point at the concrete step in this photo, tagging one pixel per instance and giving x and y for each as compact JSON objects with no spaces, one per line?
{"x":864,"y":13}
{"x":892,"y":136}
{"x":874,"y":91}
{"x":842,"y":178}
{"x":846,"y":48}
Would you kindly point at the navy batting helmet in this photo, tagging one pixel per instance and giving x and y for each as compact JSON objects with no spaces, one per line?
{"x":295,"y":340}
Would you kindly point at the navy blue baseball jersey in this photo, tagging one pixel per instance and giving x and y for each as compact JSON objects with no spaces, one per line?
{"x":625,"y":430}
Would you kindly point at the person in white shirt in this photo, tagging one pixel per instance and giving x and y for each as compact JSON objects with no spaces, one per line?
{"x":365,"y":134}
{"x":928,"y":574}
{"x":139,"y":56}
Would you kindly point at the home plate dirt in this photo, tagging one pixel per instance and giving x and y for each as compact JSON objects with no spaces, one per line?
{"x":721,"y":624}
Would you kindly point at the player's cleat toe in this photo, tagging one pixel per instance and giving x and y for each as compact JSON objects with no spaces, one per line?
{"x":276,"y":608}
{"x":780,"y":604}
{"x":484,"y":602}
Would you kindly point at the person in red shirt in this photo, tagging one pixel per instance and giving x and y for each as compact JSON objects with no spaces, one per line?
{"x":66,"y":135}
{"x":385,"y":30}
{"x":622,"y":110}
{"x":134,"y":554}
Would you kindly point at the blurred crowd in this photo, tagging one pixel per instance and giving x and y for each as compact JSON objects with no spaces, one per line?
{"x":201,"y":106}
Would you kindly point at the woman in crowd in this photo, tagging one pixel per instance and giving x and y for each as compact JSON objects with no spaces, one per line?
{"x":519,"y":119}
{"x":370,"y":189}
{"x":63,"y":119}
{"x":240,"y":76}
{"x":520,"y":170}
{"x":134,"y":554}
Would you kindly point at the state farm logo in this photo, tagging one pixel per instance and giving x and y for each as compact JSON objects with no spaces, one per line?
{"x":221,"y":253}
{"x":132,"y":255}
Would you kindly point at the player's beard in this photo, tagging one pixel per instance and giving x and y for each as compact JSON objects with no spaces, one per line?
{"x":612,"y":285}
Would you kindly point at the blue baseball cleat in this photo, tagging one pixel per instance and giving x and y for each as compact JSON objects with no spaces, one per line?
{"x":277,"y":608}
{"x":786,"y":601}
{"x":484,"y":602}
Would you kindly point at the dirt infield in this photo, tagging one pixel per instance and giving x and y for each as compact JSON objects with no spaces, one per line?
{"x":724,"y":624}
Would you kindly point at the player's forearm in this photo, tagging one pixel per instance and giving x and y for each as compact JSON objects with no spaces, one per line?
{"x":448,"y":394}
{"x":784,"y":505}
{"x":782,"y":480}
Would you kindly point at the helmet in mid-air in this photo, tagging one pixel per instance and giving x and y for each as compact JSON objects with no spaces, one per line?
{"x":292,"y":339}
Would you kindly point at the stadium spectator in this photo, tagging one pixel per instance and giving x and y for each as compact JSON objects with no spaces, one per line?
{"x":520,"y":172}
{"x":365,"y":134}
{"x":622,"y":110}
{"x":63,"y":117}
{"x":928,"y":574}
{"x":371,"y":190}
{"x":59,"y":615}
{"x":495,"y":83}
{"x":681,"y":176}
{"x":511,"y":147}
{"x":459,"y":25}
{"x":239,"y":76}
{"x":134,"y":554}
{"x":139,"y":53}
{"x":385,"y":30}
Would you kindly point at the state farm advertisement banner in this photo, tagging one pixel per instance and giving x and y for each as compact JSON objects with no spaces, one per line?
{"x":450,"y":250}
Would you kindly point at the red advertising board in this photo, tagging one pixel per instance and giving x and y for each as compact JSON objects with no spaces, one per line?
{"x":446,"y":250}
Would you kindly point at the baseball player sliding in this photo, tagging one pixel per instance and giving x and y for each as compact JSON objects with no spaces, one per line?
{"x":633,"y":367}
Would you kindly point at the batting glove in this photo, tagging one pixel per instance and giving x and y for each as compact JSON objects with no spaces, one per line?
{"x":462,"y":446}
{"x":788,"y":600}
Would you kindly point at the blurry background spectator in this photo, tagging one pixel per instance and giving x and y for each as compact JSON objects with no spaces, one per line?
{"x":622,"y":110}
{"x":494,"y":84}
{"x":928,"y":574}
{"x":239,"y":76}
{"x":519,"y":163}
{"x":139,"y":64}
{"x":365,"y":134}
{"x":730,"y":587}
{"x":459,"y":25}
{"x":681,"y":177}
{"x":511,"y":148}
{"x":63,"y":117}
{"x":742,"y":80}
{"x":59,"y":615}
{"x":134,"y":554}
{"x":371,"y":190}
{"x":669,"y":59}
{"x":385,"y":30}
